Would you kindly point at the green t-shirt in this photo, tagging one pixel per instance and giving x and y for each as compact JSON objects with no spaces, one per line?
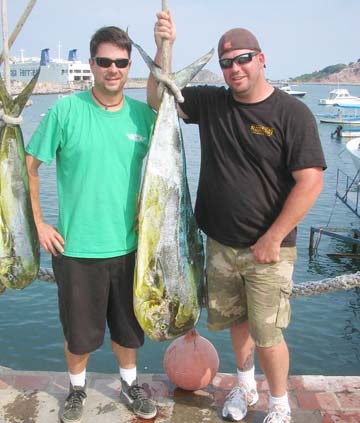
{"x":99,"y":157}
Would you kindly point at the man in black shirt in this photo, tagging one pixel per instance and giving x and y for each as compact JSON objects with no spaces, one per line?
{"x":261,"y":172}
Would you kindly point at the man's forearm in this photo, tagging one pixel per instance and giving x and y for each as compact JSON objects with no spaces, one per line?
{"x":34,"y":187}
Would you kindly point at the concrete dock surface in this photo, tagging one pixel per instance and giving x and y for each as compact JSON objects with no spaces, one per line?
{"x":37,"y":397}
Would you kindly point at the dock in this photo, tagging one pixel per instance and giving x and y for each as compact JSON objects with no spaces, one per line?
{"x":37,"y":397}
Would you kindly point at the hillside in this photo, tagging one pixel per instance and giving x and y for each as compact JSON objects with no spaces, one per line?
{"x":339,"y":73}
{"x":207,"y":77}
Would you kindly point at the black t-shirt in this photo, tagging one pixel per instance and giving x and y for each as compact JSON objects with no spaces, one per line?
{"x":248,"y":151}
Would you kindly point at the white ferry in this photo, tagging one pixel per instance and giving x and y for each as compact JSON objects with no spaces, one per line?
{"x":58,"y":71}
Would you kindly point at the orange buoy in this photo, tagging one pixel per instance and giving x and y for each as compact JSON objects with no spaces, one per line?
{"x":191,"y":361}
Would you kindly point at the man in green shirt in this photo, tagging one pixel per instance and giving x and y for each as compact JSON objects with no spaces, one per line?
{"x":99,"y":138}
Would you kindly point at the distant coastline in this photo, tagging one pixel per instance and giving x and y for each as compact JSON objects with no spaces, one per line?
{"x":43,"y":88}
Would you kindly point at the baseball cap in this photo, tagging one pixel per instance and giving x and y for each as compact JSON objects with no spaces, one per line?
{"x":237,"y":39}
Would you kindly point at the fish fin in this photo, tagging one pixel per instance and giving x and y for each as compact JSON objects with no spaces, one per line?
{"x":22,"y":98}
{"x":175,"y":81}
{"x":155,"y":69}
{"x":184,"y":76}
{"x":5,"y":98}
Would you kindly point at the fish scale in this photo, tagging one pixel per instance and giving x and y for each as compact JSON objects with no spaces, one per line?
{"x":169,"y":274}
{"x":19,"y":244}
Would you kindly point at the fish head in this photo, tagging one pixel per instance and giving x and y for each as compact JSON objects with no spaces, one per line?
{"x":158,"y":321}
{"x":11,"y":271}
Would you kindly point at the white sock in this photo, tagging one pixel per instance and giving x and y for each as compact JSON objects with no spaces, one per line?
{"x":79,"y":379}
{"x":283,"y":401}
{"x":129,"y":375}
{"x":248,"y":377}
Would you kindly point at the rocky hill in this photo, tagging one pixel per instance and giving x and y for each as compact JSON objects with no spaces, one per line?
{"x":340,"y":73}
{"x":207,"y":77}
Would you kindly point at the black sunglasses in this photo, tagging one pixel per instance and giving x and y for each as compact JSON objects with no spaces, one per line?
{"x":105,"y":62}
{"x":240,"y":60}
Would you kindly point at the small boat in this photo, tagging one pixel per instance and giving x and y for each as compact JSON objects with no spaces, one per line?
{"x":345,"y":133}
{"x":340,"y":118}
{"x":350,"y":133}
{"x":349,"y":120}
{"x":353,"y":148}
{"x":339,"y":95}
{"x":348,"y":104}
{"x":289,"y":90}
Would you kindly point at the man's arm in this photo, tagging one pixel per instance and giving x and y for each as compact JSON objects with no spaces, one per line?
{"x":308,"y":185}
{"x":49,"y":238}
{"x":164,"y":30}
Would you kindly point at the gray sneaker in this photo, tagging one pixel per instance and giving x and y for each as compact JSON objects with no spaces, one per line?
{"x":74,"y":405}
{"x":238,"y":401}
{"x":135,"y":397}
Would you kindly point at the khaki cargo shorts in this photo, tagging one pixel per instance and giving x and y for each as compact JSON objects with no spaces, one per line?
{"x":240,"y":289}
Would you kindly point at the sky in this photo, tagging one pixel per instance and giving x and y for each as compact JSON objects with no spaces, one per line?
{"x":296,"y":36}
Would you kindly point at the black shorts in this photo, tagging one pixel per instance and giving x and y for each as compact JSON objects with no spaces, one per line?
{"x":92,"y":292}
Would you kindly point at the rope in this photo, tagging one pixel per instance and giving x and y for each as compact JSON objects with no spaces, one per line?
{"x":9,"y":120}
{"x":342,"y":282}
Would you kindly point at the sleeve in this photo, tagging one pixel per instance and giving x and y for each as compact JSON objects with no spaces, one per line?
{"x":303,"y":145}
{"x":46,"y":139}
{"x":191,"y":104}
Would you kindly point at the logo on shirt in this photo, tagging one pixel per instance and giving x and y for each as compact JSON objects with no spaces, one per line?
{"x":136,"y":137}
{"x":261,"y":130}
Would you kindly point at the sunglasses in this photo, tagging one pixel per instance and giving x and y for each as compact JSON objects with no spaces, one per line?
{"x":105,"y":62}
{"x":240,"y":60}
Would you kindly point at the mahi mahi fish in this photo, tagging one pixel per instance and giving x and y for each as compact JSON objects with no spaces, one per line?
{"x":169,"y":274}
{"x":19,"y":244}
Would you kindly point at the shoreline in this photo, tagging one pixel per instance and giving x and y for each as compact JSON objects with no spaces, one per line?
{"x":45,"y":88}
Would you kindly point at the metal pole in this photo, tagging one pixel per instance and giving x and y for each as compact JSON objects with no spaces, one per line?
{"x":18,"y":27}
{"x":5,"y":38}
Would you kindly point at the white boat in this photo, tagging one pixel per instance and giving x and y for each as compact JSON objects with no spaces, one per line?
{"x":340,"y":132}
{"x":339,"y":94}
{"x":351,"y":133}
{"x":353,"y":148}
{"x":348,"y":104}
{"x":57,"y":71}
{"x":350,"y":120}
{"x":289,"y":90}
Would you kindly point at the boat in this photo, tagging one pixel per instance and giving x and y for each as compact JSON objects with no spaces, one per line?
{"x":348,"y":104}
{"x":289,"y":90}
{"x":56,"y":71}
{"x":353,"y":148}
{"x":347,"y":120}
{"x":339,"y":94}
{"x":340,"y":118}
{"x":340,"y":132}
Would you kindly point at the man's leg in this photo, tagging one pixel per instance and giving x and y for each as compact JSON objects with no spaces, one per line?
{"x":76,"y":364}
{"x":126,"y":357}
{"x":127,"y":335}
{"x":243,"y":346}
{"x":274,"y":362}
{"x":80,"y":291}
{"x":268,"y":289}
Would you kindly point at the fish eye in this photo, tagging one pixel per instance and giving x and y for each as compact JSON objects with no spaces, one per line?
{"x":10,"y":277}
{"x":163,"y":326}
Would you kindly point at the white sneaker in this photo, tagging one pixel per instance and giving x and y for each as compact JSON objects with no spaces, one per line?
{"x":278,"y":414}
{"x":237,"y":402}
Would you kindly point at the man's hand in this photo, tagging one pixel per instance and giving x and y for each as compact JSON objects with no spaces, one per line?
{"x":266,"y":249}
{"x":50,"y":239}
{"x":164,"y":29}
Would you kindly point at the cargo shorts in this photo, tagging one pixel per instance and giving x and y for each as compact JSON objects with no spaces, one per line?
{"x":239,"y":289}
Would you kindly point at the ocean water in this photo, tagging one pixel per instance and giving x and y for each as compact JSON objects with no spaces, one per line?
{"x":324,"y":334}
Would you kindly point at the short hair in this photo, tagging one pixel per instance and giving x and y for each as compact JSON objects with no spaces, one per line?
{"x":112,"y":35}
